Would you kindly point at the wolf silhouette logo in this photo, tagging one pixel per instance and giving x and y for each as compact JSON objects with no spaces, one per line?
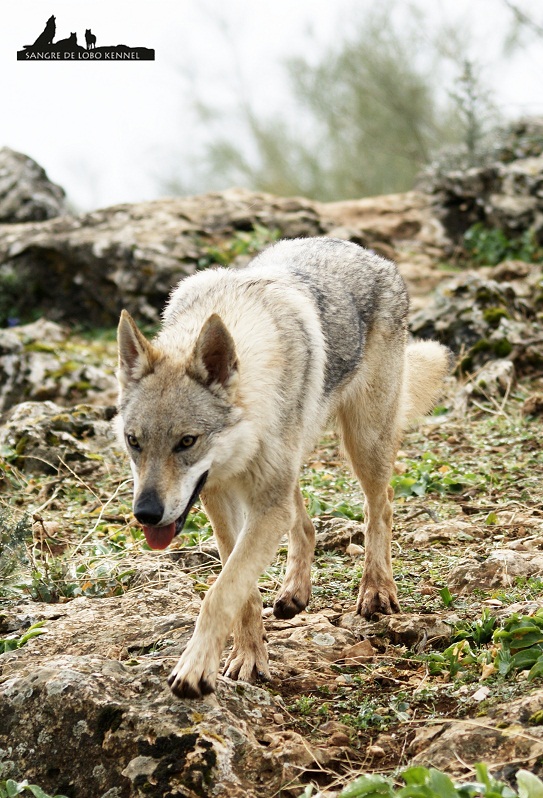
{"x":46,"y":37}
{"x":45,"y":48}
{"x":90,"y":38}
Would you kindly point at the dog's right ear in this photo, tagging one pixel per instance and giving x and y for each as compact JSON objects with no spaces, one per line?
{"x":136,"y":354}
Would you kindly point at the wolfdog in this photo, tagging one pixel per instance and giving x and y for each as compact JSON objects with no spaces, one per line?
{"x":230,"y":397}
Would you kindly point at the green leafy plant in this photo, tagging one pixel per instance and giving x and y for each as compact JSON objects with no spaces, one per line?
{"x":490,"y":246}
{"x":446,"y":596}
{"x":11,"y":788}
{"x":520,"y":644}
{"x":431,"y":475}
{"x":478,"y":632}
{"x":12,"y":643}
{"x":453,"y":660}
{"x":421,"y":782}
{"x":331,"y":494}
{"x":100,"y":575}
{"x":241,"y":243}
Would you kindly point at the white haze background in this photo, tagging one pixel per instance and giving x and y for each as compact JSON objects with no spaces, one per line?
{"x":111,"y":132}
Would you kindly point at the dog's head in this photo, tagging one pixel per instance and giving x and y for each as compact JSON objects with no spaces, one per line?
{"x":178,"y":420}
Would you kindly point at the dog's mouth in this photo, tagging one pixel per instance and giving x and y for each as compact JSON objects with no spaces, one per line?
{"x":160,"y":537}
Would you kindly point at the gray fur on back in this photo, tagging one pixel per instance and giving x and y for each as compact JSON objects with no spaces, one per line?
{"x":351,"y":288}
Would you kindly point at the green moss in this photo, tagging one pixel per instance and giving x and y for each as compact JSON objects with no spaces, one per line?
{"x":482,"y":345}
{"x":465,"y":365}
{"x":502,"y":348}
{"x":40,"y":346}
{"x":65,"y":369}
{"x":494,"y":315}
{"x":20,"y":446}
{"x":83,"y":386}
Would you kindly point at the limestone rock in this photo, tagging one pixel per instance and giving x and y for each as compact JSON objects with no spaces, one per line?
{"x":86,"y":709}
{"x":41,"y":436}
{"x":37,"y":363}
{"x":500,"y":569}
{"x":26,"y":193}
{"x":509,"y":733}
{"x":505,"y":192}
{"x":485,"y":320}
{"x":86,"y":268}
{"x":338,"y":533}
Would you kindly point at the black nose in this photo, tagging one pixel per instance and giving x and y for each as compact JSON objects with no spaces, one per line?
{"x":148,"y":508}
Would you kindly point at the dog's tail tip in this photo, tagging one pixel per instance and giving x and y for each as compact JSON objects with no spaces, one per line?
{"x":427,"y":365}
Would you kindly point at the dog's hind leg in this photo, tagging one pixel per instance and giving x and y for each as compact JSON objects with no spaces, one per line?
{"x":370,"y":425}
{"x":248,"y":659}
{"x":296,"y":589}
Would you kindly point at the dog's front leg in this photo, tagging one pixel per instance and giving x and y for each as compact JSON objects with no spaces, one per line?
{"x":248,"y":659}
{"x":196,"y":672}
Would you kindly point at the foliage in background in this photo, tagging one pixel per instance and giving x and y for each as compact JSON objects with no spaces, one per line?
{"x":362,"y":117}
{"x":368,"y":119}
{"x":241,"y":243}
{"x":488,"y":246}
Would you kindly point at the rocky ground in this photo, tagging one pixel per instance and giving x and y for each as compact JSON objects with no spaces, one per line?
{"x":85,"y":706}
{"x":91,"y":620}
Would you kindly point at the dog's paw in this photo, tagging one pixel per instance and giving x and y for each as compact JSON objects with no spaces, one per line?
{"x":183,"y":687}
{"x":193,"y":676}
{"x":293,"y":598}
{"x":377,"y":599}
{"x":287,"y":606}
{"x":248,"y":663}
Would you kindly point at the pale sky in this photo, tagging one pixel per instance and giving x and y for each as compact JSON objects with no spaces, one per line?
{"x":108,"y":131}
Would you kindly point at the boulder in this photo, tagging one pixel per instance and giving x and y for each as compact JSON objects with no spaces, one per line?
{"x":86,"y":709}
{"x":509,"y":733}
{"x":40,"y":437}
{"x":483,"y":320}
{"x":86,"y":268}
{"x":504,"y":192}
{"x":40,"y":361}
{"x":500,"y":569}
{"x":26,"y":193}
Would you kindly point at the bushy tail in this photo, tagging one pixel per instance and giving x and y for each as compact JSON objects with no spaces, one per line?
{"x":427,"y":363}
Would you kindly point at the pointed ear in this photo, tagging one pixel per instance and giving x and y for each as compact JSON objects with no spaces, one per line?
{"x":136,"y":355}
{"x":214,"y":360}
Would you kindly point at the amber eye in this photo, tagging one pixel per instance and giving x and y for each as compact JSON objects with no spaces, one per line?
{"x":186,"y":442}
{"x":133,"y":442}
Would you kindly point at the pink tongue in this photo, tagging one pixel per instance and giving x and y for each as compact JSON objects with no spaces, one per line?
{"x":159,"y":537}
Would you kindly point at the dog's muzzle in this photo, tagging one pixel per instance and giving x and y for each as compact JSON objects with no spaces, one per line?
{"x":160,"y":537}
{"x":180,"y":523}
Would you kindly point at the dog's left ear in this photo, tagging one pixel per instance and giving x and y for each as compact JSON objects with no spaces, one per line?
{"x":214,"y":360}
